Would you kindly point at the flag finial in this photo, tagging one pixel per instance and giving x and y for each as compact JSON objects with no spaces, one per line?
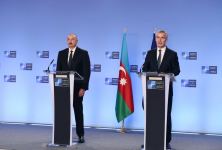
{"x":155,"y":30}
{"x":125,"y":30}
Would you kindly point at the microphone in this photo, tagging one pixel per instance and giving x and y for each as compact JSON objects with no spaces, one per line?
{"x":49,"y":66}
{"x":141,"y":69}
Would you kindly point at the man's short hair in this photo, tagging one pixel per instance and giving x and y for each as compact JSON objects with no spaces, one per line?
{"x":73,"y":35}
{"x":162,"y":31}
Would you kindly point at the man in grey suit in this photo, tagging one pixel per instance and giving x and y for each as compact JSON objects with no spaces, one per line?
{"x":163,"y":60}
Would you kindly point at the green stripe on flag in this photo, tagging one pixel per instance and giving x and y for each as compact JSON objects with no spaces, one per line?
{"x":122,"y":110}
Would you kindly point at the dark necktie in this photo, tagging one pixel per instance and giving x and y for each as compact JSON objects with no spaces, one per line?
{"x":159,"y":59}
{"x":70,"y":60}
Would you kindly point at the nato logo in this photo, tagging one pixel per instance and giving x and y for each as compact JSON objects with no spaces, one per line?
{"x":10,"y":54}
{"x":58,"y":82}
{"x":42,"y":79}
{"x":188,"y":83}
{"x":209,"y":69}
{"x":9,"y":78}
{"x":112,"y":55}
{"x":151,"y":84}
{"x":96,"y":68}
{"x":189,"y":55}
{"x":111,"y":81}
{"x":144,"y":54}
{"x":43,"y":54}
{"x":155,"y":84}
{"x":26,"y":66}
{"x":133,"y":68}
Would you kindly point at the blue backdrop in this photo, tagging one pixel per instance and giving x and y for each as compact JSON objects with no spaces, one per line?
{"x":32,"y":32}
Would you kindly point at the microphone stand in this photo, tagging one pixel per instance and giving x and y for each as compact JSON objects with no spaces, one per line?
{"x":47,"y":70}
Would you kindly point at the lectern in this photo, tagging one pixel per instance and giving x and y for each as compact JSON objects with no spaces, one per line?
{"x":155,"y":93}
{"x":62,"y":90}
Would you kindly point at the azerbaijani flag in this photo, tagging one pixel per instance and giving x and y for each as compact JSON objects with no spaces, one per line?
{"x":124,"y":97}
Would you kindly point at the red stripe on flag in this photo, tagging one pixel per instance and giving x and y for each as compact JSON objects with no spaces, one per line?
{"x":126,"y":89}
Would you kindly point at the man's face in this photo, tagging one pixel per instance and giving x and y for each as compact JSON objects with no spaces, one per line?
{"x":161,"y":39}
{"x":72,"y":41}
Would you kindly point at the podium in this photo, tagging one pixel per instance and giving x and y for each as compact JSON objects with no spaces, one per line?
{"x":62,"y":90}
{"x":155,"y":93}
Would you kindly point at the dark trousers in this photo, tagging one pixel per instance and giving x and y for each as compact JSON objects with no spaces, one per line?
{"x":78,"y":111}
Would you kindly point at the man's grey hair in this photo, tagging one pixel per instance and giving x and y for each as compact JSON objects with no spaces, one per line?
{"x":73,"y":35}
{"x":162,"y":31}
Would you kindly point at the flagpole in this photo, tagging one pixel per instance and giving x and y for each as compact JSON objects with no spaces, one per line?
{"x":155,"y":30}
{"x":124,"y":99}
{"x":125,"y":30}
{"x":123,"y":129}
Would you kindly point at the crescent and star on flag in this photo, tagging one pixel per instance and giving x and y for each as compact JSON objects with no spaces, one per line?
{"x":122,"y":80}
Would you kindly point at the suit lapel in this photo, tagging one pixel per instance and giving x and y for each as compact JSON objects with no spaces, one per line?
{"x":75,"y":57}
{"x":155,"y":56}
{"x":155,"y":59}
{"x":66,"y":56}
{"x":164,"y":58}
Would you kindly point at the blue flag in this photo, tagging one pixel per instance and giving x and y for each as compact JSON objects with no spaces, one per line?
{"x":153,"y":46}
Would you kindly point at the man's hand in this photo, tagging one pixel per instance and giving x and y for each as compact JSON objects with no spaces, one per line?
{"x":81,"y":92}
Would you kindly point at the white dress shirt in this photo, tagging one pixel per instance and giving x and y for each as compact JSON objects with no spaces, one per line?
{"x":73,"y":51}
{"x":162,"y":53}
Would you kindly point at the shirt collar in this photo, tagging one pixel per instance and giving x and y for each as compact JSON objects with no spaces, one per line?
{"x":162,"y":49}
{"x":74,"y":49}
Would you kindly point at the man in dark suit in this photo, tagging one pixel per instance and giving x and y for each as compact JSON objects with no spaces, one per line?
{"x":76,"y":59}
{"x":163,"y":60}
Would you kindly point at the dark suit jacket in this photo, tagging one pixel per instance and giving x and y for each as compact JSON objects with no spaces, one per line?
{"x":169,"y":64}
{"x":80,"y":64}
